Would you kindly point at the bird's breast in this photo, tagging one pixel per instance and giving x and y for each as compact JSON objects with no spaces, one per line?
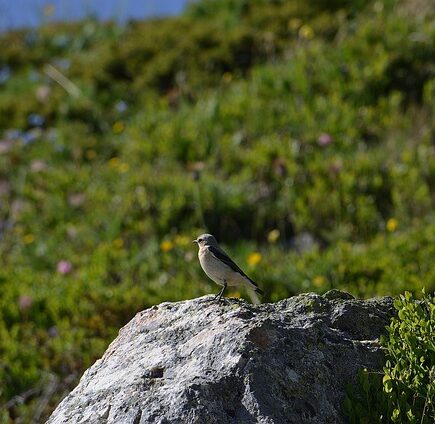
{"x":215,"y":269}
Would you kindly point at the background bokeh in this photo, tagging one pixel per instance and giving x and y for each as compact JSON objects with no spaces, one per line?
{"x":301,"y":134}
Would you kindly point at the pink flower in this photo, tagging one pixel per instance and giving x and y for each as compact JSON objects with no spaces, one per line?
{"x":76,"y":199}
{"x":24,"y":302}
{"x":324,"y":139}
{"x":43,"y":93}
{"x":64,"y":267}
{"x":5,"y":146}
{"x":37,"y":165}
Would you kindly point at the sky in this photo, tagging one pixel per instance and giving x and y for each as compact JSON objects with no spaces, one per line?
{"x":30,"y":13}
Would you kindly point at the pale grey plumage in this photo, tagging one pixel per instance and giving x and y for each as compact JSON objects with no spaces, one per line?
{"x":222,"y":269}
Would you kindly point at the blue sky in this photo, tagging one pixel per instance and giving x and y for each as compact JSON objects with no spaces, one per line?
{"x":25,"y":13}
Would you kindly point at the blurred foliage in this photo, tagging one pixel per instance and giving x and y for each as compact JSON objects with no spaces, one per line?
{"x":299,"y":133}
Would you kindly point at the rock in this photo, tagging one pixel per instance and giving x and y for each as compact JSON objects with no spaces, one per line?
{"x":201,"y":362}
{"x":337,"y":294}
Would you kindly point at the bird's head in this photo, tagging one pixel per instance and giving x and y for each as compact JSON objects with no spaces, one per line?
{"x":205,"y":240}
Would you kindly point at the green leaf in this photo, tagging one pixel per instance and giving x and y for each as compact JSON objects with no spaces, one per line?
{"x":410,"y":415}
{"x":395,"y":415}
{"x":388,"y":386}
{"x":386,"y":378}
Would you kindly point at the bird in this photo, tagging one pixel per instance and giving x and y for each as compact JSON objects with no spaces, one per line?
{"x":222,"y":269}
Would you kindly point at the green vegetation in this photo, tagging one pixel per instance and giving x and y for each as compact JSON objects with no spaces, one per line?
{"x":300,"y":133}
{"x":366,"y":403}
{"x":408,"y":382}
{"x":409,"y":379}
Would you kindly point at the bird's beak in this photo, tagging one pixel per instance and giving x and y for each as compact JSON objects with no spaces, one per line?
{"x":194,"y":241}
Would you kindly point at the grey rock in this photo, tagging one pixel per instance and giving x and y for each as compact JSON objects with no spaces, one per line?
{"x":337,"y":294}
{"x":201,"y":362}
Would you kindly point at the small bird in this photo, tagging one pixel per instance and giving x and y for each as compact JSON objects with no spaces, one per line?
{"x":222,"y":269}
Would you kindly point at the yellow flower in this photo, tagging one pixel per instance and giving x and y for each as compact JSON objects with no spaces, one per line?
{"x":254,"y":258}
{"x":319,"y":281}
{"x":294,"y":23}
{"x":28,"y":239}
{"x":236,"y":294}
{"x":227,"y":77}
{"x":123,"y":167}
{"x":181,"y":240}
{"x":273,"y":236}
{"x":118,"y":243}
{"x":166,"y":246}
{"x":114,"y":162}
{"x":392,"y":224}
{"x":91,"y":154}
{"x":118,"y":127}
{"x":305,"y":31}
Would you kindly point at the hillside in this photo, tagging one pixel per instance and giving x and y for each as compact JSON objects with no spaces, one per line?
{"x":301,"y":134}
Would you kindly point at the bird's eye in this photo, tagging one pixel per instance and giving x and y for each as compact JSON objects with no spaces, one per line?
{"x":200,"y":240}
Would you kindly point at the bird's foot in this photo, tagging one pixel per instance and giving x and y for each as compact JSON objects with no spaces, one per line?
{"x":218,"y":297}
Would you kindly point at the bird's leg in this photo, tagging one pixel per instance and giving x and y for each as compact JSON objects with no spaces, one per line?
{"x":219,"y":295}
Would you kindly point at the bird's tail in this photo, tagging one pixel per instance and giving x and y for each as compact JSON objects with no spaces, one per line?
{"x":255,"y":299}
{"x":254,"y":291}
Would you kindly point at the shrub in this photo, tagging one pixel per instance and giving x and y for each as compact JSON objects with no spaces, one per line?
{"x":409,"y":381}
{"x":405,"y":392}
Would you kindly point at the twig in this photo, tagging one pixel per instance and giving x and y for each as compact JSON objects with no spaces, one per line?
{"x":19,"y":399}
{"x":62,"y":80}
{"x":45,"y":398}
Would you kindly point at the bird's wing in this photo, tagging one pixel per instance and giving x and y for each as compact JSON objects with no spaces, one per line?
{"x":223,"y":257}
